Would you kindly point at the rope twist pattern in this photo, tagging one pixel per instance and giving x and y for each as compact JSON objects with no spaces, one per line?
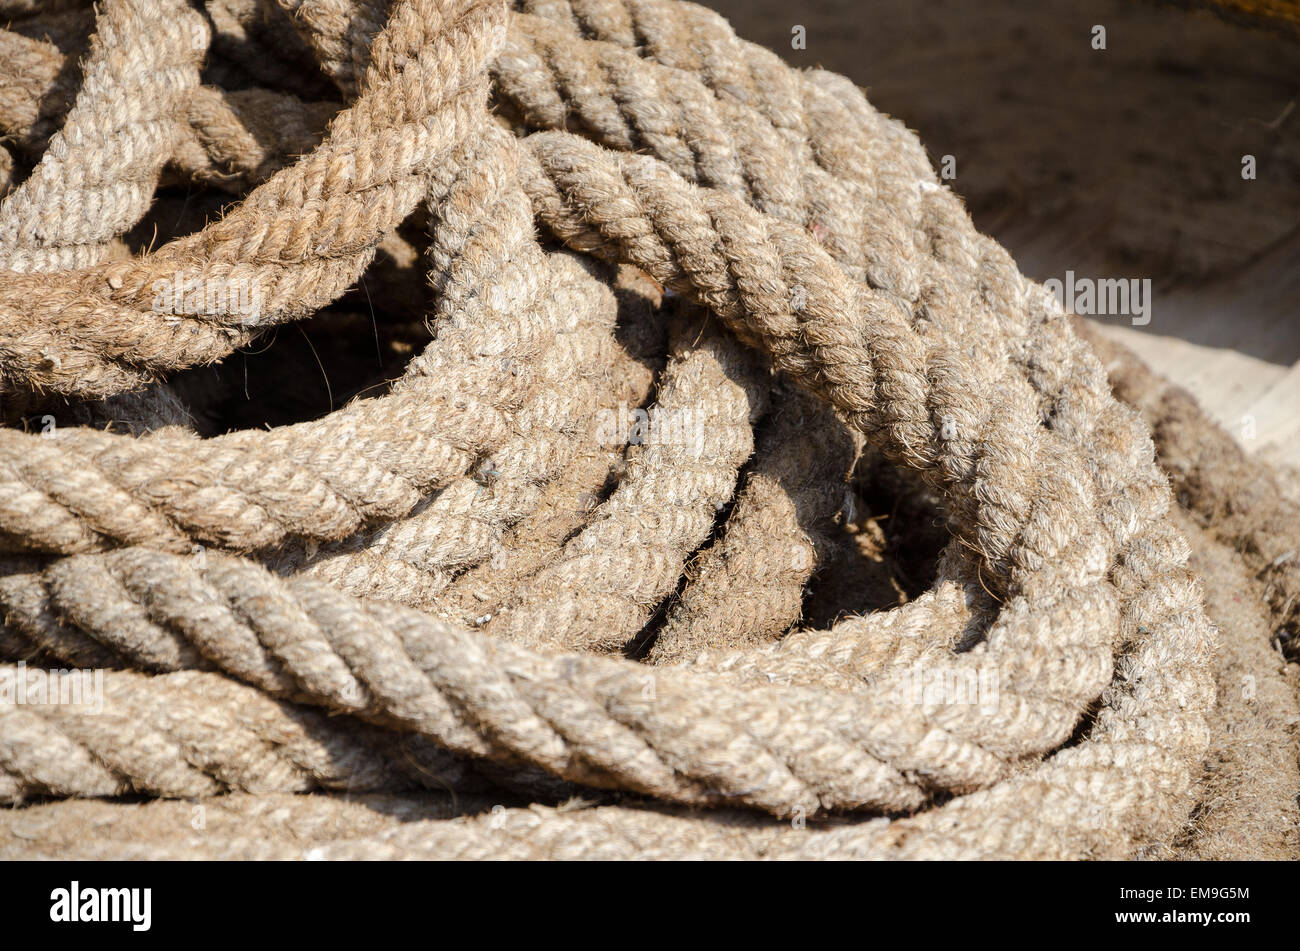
{"x":626,"y":206}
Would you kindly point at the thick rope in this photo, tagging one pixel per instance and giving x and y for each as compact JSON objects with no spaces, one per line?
{"x":299,"y":239}
{"x":197,"y":734}
{"x":792,"y":218}
{"x":607,"y":579}
{"x":233,"y":139}
{"x":83,"y":490}
{"x":99,"y":171}
{"x":750,"y":582}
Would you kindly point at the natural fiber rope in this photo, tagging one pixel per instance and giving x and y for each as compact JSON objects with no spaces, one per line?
{"x":748,"y":586}
{"x":607,"y":579}
{"x":422,"y":89}
{"x":230,"y":138}
{"x":811,"y":228}
{"x":99,"y":171}
{"x":198,"y":734}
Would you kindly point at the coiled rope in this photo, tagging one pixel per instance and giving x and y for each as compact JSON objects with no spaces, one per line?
{"x":448,"y":561}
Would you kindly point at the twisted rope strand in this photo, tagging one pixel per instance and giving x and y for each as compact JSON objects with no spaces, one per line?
{"x":197,"y":734}
{"x":82,"y":490}
{"x":299,"y":239}
{"x":603,"y":586}
{"x":813,"y":227}
{"x":750,"y":582}
{"x":98,"y":173}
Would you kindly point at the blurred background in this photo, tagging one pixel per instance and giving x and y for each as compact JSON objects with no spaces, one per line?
{"x":1118,"y":162}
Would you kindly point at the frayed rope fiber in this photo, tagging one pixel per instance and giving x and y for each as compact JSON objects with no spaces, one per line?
{"x":664,"y":322}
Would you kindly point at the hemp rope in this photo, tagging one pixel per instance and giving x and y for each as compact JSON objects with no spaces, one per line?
{"x":455,"y":528}
{"x":829,"y":247}
{"x":193,"y":734}
{"x":567,"y":500}
{"x":421,"y":89}
{"x":232,"y":139}
{"x":607,"y":579}
{"x":99,"y":171}
{"x":748,"y":585}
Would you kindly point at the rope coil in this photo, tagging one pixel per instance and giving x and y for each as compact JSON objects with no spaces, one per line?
{"x":449,"y":560}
